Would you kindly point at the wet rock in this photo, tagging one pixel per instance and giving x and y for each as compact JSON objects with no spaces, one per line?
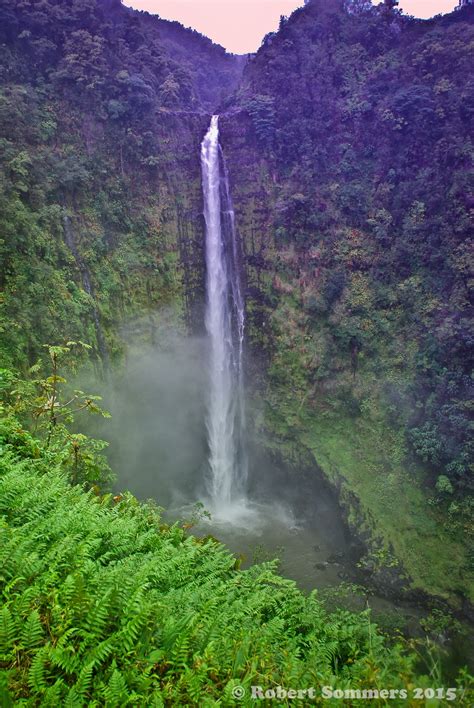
{"x":336,"y":558}
{"x":367,"y":567}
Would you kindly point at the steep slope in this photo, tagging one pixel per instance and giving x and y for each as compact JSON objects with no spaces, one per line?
{"x":101,"y":113}
{"x":350,"y":151}
{"x":349,"y":145}
{"x":215,"y":73}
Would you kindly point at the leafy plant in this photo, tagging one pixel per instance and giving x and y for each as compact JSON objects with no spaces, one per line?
{"x":49,"y":408}
{"x":104,"y":604}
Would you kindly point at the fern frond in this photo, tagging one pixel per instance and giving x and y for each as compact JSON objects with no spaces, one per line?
{"x":116,"y":691}
{"x":7,"y":631}
{"x":32,"y":633}
{"x":37,"y":672}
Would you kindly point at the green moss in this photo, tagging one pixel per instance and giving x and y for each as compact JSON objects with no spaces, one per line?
{"x":367,"y":459}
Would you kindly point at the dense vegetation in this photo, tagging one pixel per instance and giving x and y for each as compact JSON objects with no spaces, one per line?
{"x":104,"y":604}
{"x":368,"y":120}
{"x":100,"y":118}
{"x":350,"y":145}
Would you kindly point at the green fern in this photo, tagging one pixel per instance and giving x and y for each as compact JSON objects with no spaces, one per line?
{"x":7,"y":631}
{"x":32,"y":632}
{"x":83,"y":683}
{"x":103,"y":605}
{"x":116,"y":693}
{"x":6,"y":698}
{"x":37,"y":673}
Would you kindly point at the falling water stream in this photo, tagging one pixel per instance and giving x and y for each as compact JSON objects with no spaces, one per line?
{"x":280,"y":525}
{"x":225,"y":321}
{"x":158,"y":408}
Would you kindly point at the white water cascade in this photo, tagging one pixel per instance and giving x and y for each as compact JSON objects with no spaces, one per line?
{"x":225,"y":321}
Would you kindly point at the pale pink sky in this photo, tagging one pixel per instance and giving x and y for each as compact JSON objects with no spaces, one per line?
{"x":240,"y":25}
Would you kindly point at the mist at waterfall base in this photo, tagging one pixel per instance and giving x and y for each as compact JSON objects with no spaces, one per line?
{"x":178,"y":431}
{"x":179,"y":426}
{"x":159,"y":450}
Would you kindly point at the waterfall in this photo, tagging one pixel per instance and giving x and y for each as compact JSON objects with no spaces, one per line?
{"x":225,"y":322}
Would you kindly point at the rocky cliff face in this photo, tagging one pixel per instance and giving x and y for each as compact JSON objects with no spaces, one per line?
{"x":253,"y":195}
{"x":102,"y":110}
{"x":349,"y":155}
{"x":349,"y":148}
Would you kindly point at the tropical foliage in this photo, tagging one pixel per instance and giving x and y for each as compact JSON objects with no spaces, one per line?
{"x":100,"y":108}
{"x":104,"y":604}
{"x":363,"y":118}
{"x":349,"y":143}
